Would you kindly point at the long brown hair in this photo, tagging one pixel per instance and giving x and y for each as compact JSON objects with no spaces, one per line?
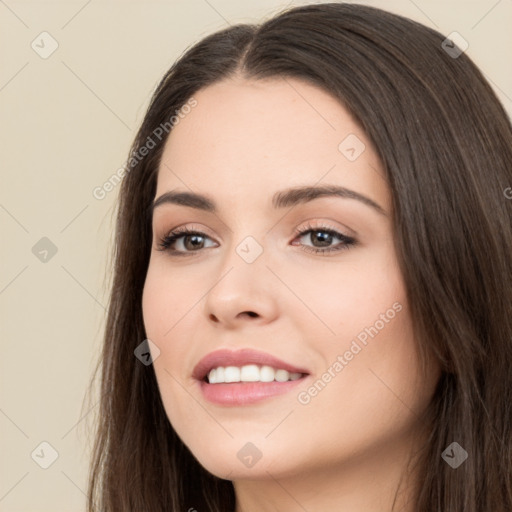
{"x":445,"y":143}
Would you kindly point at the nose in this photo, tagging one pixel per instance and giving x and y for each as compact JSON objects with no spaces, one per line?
{"x":242,"y":292}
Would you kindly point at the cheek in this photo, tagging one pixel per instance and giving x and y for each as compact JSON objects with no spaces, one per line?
{"x":366,"y":309}
{"x":156,"y":304}
{"x":166,"y":308}
{"x":369,"y":393}
{"x":171,"y":308}
{"x":348,"y":295}
{"x":168,"y":296}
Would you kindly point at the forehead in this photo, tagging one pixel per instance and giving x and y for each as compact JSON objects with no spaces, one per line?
{"x":251,"y":137}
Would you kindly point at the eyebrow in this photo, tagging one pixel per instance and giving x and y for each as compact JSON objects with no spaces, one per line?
{"x":281,"y":199}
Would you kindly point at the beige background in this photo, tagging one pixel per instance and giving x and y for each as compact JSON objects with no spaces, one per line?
{"x":67,"y":123}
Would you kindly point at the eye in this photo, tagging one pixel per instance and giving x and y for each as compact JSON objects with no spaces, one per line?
{"x":183,"y":241}
{"x":324,"y":237}
{"x":189,"y":239}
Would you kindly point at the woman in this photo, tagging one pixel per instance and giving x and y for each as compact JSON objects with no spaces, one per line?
{"x":313,"y":250}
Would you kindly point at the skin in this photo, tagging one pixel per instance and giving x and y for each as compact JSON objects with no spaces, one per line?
{"x":346,"y":448}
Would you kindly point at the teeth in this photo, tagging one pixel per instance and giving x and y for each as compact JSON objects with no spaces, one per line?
{"x":282,"y":376}
{"x":249,"y":373}
{"x":231,"y":374}
{"x":267,"y":374}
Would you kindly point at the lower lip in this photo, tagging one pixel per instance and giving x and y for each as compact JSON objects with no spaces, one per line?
{"x":244,"y":393}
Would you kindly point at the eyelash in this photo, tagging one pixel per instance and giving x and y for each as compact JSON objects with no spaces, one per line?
{"x":347,"y":242}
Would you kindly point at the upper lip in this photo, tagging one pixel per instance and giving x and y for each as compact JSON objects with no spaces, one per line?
{"x":241,"y":357}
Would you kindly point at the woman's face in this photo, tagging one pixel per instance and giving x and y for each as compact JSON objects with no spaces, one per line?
{"x":249,"y":280}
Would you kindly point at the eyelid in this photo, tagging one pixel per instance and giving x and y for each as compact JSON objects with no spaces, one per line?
{"x":325,"y":223}
{"x":186,"y":227}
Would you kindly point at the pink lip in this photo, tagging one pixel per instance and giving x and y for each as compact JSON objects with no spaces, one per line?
{"x":241,"y":357}
{"x":245,"y":393}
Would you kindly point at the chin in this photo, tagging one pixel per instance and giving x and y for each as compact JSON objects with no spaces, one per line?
{"x":240,"y":462}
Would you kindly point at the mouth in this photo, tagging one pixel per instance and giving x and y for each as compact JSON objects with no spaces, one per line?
{"x":245,"y":376}
{"x":245,"y":365}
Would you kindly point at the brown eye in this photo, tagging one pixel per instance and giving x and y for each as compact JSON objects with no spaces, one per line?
{"x":322,"y":238}
{"x":190,"y":241}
